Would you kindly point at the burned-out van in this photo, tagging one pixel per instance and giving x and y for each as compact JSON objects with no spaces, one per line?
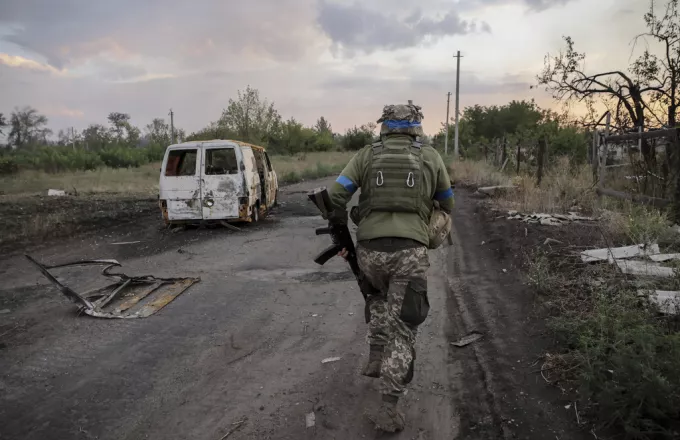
{"x":218,"y":180}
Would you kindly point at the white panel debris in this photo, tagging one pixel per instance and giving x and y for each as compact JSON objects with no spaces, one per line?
{"x":310,"y":420}
{"x":668,"y":301}
{"x":660,"y":258}
{"x":607,"y":254}
{"x":644,"y":268}
{"x":549,"y":219}
{"x":56,"y":192}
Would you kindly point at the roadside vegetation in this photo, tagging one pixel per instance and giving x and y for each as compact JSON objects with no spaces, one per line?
{"x":617,"y":352}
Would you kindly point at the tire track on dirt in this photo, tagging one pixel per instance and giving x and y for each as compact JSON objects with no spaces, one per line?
{"x":501,"y":397}
{"x":480,"y":410}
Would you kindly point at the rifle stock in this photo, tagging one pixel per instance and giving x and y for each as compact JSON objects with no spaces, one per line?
{"x":328,"y":253}
{"x":342,"y":239}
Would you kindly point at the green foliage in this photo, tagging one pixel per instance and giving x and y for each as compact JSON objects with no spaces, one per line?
{"x":27,"y":127}
{"x":627,"y":362}
{"x":357,"y":138}
{"x":8,"y":165}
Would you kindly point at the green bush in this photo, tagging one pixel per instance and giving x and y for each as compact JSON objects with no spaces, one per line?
{"x":8,"y":165}
{"x":56,"y":159}
{"x":628,"y":360}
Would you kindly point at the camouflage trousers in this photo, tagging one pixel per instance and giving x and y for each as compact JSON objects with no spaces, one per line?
{"x":397,"y":310}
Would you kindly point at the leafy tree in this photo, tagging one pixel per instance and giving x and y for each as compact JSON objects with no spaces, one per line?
{"x":250,"y":118}
{"x":3,"y":123}
{"x":27,"y":126}
{"x":322,"y":126}
{"x":119,"y":122}
{"x":158,"y":132}
{"x":96,"y":137}
{"x":357,"y":138}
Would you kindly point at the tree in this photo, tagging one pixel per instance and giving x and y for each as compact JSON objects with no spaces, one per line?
{"x":118,"y":122}
{"x":3,"y":123}
{"x":644,"y":95}
{"x":69,"y":137}
{"x":357,"y":138}
{"x":250,"y":118}
{"x":662,"y":73}
{"x":123,"y":131}
{"x":158,"y":132}
{"x":322,"y":126}
{"x":96,"y":137}
{"x":27,"y":126}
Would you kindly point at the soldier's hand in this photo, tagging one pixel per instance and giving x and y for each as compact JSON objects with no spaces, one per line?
{"x":343,"y":253}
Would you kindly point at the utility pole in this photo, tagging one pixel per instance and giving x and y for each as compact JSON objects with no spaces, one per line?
{"x":455,"y":142}
{"x":446,"y":139}
{"x":172,"y":127}
{"x":73,"y":138}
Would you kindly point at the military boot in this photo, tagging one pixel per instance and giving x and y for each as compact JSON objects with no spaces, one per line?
{"x":372,"y":368}
{"x":389,"y":418}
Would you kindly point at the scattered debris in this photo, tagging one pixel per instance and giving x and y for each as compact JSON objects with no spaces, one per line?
{"x":127,"y":242}
{"x":644,"y":268}
{"x":127,"y":297}
{"x":4,"y":311}
{"x":668,"y":301}
{"x":491,"y":191}
{"x":505,"y":270}
{"x":56,"y":192}
{"x":551,"y":241}
{"x":333,"y":359}
{"x":549,"y":219}
{"x":310,"y":420}
{"x":468,"y":339}
{"x":660,"y":258}
{"x":235,"y":427}
{"x":314,"y":315}
{"x":607,"y":254}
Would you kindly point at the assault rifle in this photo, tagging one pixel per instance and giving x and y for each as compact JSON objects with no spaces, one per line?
{"x":342,"y":239}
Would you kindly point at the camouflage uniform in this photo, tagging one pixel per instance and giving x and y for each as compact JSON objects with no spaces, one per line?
{"x":401,"y":181}
{"x":399,"y":307}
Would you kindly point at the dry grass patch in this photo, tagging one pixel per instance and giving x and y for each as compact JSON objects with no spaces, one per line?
{"x":131,"y":181}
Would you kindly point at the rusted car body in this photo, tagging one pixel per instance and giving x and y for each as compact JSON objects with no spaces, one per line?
{"x":218,"y":180}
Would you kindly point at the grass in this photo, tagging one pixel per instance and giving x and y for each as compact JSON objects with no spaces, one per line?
{"x":305,"y":166}
{"x":617,"y":355}
{"x":144,"y":180}
{"x":617,"y":352}
{"x":562,"y":189}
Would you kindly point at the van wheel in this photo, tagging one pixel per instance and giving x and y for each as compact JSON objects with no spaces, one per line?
{"x":255,"y":215}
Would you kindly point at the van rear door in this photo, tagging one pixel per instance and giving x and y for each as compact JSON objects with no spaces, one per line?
{"x":180,"y":183}
{"x":222,"y":182}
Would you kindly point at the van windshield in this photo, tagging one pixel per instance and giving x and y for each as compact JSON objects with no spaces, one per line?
{"x":220,"y":161}
{"x":181,"y":163}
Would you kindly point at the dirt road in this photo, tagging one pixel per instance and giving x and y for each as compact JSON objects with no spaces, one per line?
{"x":246,"y":343}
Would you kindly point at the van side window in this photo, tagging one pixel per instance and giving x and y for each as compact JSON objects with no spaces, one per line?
{"x":269,"y":164}
{"x":181,"y":163}
{"x":220,"y":161}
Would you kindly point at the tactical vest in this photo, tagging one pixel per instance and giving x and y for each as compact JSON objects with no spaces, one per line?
{"x":393,"y":181}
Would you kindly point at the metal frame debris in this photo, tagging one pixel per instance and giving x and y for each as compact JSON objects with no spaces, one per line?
{"x":123,"y":298}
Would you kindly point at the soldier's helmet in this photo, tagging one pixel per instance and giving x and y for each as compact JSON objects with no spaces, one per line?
{"x":401,"y":119}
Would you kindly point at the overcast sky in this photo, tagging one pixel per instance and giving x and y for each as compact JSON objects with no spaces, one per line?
{"x":78,"y":60}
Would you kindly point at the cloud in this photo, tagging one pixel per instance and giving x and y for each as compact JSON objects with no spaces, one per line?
{"x":69,"y":32}
{"x":355,"y":27}
{"x":20,"y":62}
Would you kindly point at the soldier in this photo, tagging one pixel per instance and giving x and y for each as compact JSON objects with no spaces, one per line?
{"x":402,"y":182}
